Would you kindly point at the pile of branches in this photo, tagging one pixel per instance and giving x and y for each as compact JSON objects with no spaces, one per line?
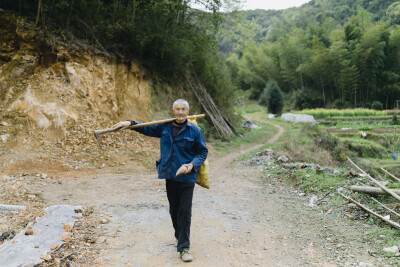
{"x":380,"y":189}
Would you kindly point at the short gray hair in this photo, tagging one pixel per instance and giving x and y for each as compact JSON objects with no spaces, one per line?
{"x":180,"y":101}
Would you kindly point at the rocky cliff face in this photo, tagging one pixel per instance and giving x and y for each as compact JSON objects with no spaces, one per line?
{"x":53,"y":95}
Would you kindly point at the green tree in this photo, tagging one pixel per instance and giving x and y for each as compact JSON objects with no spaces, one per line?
{"x":272,"y":97}
{"x":369,"y":57}
{"x":255,"y":68}
{"x":291,"y":55}
{"x":338,"y":53}
{"x":349,"y":81}
{"x":393,"y":13}
{"x":317,"y":68}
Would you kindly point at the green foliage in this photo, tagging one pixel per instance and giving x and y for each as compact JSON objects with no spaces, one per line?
{"x":377,"y":105}
{"x":339,"y":104}
{"x":168,"y":38}
{"x":309,"y":181}
{"x":272,"y":97}
{"x":328,"y":113}
{"x":395,"y":121}
{"x":306,"y":99}
{"x":365,"y":125}
{"x":365,"y":148}
{"x":344,"y":53}
{"x":393,"y":13}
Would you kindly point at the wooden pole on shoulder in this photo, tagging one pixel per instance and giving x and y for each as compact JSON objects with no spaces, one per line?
{"x":97,"y":133}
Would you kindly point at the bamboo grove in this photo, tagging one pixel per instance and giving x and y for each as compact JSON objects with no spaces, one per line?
{"x":324,"y":54}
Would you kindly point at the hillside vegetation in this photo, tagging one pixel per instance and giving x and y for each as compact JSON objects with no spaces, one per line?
{"x":324,"y":54}
{"x":169,"y":40}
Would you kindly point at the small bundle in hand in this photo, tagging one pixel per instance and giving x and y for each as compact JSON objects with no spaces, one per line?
{"x":181,"y":170}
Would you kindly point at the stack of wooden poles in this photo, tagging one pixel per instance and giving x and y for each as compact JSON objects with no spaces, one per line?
{"x":381,"y":189}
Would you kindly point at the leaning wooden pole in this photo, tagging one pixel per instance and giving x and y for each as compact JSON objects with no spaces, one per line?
{"x":386,"y":208}
{"x":38,"y":12}
{"x":384,"y":188}
{"x":219,"y":121}
{"x":391,"y":175}
{"x":392,"y":223}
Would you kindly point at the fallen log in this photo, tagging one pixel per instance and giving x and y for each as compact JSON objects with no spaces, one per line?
{"x":392,"y":223}
{"x":372,"y":190}
{"x":391,"y":175}
{"x":4,"y":207}
{"x":384,"y":188}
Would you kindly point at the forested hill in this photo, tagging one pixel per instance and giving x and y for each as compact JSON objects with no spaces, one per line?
{"x":324,"y":53}
{"x":172,"y":43}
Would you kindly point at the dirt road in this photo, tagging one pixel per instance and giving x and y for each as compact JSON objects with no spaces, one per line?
{"x":243,"y":220}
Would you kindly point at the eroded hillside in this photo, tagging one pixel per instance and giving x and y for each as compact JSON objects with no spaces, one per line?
{"x":53,"y":95}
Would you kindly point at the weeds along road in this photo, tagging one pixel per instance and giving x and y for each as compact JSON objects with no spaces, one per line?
{"x":243,"y":220}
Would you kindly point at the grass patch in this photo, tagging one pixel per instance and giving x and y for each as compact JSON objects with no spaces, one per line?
{"x":250,"y":108}
{"x":328,"y":113}
{"x":365,"y":148}
{"x":364,"y":118}
{"x":310,"y":181}
{"x":383,"y":236}
{"x":365,"y":125}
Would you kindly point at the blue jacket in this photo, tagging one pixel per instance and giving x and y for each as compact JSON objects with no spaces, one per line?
{"x":189,"y":146}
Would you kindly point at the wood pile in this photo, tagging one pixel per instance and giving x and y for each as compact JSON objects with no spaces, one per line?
{"x":381,"y":189}
{"x":220,"y":121}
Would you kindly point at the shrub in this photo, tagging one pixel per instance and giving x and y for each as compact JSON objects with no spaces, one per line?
{"x":272,"y":97}
{"x":327,"y":141}
{"x":332,"y":144}
{"x":306,"y":99}
{"x":377,"y":105}
{"x":339,"y":104}
{"x":395,"y":120}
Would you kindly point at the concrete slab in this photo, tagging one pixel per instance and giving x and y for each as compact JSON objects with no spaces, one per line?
{"x":298,"y":117}
{"x":25,"y":250}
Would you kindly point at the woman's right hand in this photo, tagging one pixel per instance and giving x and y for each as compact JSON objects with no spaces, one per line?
{"x":122,"y":125}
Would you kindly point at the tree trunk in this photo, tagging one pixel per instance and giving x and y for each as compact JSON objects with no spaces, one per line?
{"x":355,"y":98}
{"x":38,"y":12}
{"x":133,"y":10}
{"x":331,"y":87}
{"x":322,"y":86}
{"x":301,"y":75}
{"x":70,"y":13}
{"x":372,"y":190}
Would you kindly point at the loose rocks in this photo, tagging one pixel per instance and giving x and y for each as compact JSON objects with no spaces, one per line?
{"x":261,"y":158}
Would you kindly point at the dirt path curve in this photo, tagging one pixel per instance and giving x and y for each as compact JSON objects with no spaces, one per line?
{"x":275,"y":138}
{"x":243,"y":220}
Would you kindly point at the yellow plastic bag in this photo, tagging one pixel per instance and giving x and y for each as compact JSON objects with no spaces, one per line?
{"x":203,"y":175}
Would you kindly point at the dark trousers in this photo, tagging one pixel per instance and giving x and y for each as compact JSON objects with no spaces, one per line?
{"x":180,"y":195}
